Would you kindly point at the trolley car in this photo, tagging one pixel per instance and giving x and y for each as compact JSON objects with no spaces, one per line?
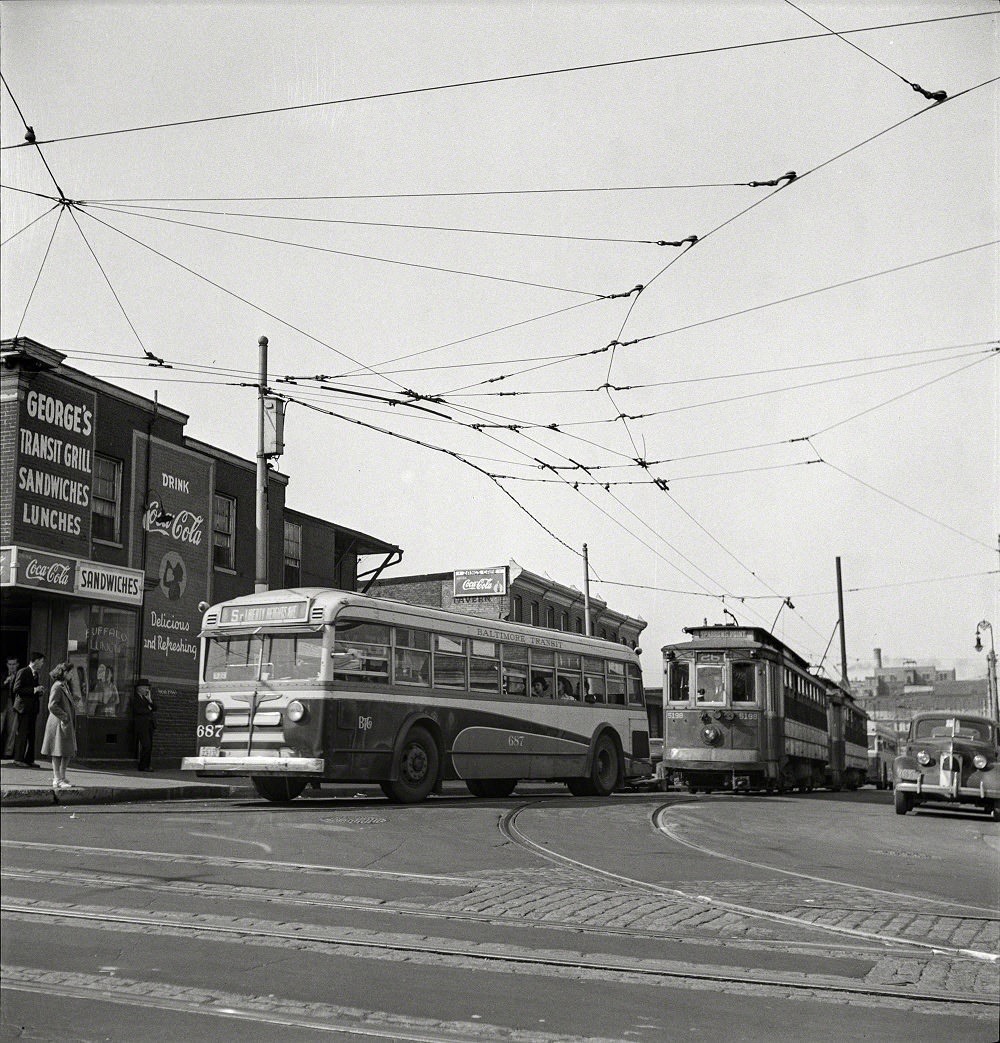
{"x":742,"y":712}
{"x":331,"y":686}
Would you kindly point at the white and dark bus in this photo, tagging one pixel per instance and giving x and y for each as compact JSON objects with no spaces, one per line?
{"x":318,"y":685}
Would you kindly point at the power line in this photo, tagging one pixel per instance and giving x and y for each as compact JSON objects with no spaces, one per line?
{"x":30,"y":223}
{"x":41,"y":268}
{"x":496,"y":80}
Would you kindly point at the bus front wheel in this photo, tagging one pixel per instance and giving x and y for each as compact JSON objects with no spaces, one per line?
{"x":278,"y":790}
{"x":418,"y":769}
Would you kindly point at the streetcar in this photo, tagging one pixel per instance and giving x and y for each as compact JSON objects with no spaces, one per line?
{"x":742,"y":712}
{"x":321,"y":685}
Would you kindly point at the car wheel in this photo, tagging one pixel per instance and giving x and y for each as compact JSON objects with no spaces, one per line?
{"x":491,"y":787}
{"x":903,"y":802}
{"x":278,"y":790}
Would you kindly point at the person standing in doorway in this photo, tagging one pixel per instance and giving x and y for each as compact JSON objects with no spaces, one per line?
{"x":59,"y":741}
{"x":144,"y":714}
{"x":9,"y":718}
{"x":28,"y":691}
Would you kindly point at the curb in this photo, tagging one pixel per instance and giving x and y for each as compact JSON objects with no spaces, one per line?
{"x":24,"y":798}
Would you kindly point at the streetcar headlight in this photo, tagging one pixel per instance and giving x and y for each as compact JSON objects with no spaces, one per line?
{"x":980,"y":761}
{"x":213,"y":711}
{"x":296,"y":711}
{"x":924,"y":758}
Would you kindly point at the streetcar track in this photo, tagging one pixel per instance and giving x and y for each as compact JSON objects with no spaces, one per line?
{"x":509,"y":830}
{"x":259,"y":934}
{"x":227,"y":891}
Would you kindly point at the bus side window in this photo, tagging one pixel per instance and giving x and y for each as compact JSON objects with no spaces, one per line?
{"x":593,"y":682}
{"x":515,"y":671}
{"x":412,"y":657}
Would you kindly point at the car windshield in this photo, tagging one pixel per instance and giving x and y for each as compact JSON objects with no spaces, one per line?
{"x":952,"y":728}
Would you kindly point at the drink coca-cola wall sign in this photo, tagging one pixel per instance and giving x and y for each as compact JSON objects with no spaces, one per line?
{"x":478,"y":583}
{"x":55,"y":464}
{"x":172,"y":532}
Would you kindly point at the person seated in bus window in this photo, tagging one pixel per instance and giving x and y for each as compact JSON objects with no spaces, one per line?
{"x":566,"y":690}
{"x":539,"y":687}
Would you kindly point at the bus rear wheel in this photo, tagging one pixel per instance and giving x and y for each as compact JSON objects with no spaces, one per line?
{"x":603,"y":772}
{"x":418,"y":769}
{"x":278,"y":790}
{"x":491,"y":787}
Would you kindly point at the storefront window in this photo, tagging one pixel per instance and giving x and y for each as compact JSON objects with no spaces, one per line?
{"x":102,"y":654}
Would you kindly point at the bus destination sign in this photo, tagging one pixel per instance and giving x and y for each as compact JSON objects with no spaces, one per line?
{"x":273,"y":612}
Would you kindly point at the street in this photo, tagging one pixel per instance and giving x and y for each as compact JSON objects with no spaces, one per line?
{"x":644,"y":916}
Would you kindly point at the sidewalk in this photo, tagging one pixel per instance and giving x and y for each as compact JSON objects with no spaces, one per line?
{"x":32,"y":787}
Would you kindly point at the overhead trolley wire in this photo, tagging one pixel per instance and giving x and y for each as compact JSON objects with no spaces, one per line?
{"x":41,"y":268}
{"x":344,"y":253}
{"x":510,"y":78}
{"x":936,"y":96}
{"x":30,"y":223}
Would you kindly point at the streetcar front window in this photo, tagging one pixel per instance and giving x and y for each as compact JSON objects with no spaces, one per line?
{"x":744,"y":683}
{"x":710,"y":685}
{"x":679,"y":690}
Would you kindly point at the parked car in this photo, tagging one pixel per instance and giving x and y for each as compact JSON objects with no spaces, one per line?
{"x":949,"y":758}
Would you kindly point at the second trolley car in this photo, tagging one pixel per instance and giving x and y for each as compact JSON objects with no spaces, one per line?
{"x":742,"y":712}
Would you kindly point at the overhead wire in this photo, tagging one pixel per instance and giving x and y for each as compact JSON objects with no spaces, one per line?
{"x":510,"y":78}
{"x":38,"y":275}
{"x":30,"y":223}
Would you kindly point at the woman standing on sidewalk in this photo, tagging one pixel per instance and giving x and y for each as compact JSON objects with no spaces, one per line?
{"x":59,"y":741}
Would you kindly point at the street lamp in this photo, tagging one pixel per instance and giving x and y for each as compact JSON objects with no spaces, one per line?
{"x":991,"y":668}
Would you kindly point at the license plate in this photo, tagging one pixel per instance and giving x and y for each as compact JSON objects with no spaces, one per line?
{"x":909,"y":775}
{"x":208,"y":751}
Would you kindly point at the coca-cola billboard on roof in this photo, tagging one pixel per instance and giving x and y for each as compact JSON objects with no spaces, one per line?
{"x":480,"y":583}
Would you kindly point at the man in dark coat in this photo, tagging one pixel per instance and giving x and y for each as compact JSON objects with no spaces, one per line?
{"x":9,"y":720}
{"x":29,"y":688}
{"x":144,"y":715}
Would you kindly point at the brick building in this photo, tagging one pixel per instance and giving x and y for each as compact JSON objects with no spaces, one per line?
{"x":513,"y":593}
{"x":115,"y":527}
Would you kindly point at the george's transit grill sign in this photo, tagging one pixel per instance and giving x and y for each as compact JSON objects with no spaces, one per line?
{"x":478,"y":583}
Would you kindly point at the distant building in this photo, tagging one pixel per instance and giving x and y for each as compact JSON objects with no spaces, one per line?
{"x":891,"y":695}
{"x":513,"y":593}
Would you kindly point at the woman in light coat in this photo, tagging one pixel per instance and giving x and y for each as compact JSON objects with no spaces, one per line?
{"x":59,"y":741}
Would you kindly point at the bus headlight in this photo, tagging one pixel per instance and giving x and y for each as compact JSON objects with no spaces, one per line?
{"x":980,"y":761}
{"x":213,"y":711}
{"x":924,"y":758}
{"x":296,"y":711}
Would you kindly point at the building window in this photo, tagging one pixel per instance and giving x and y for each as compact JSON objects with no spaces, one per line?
{"x":224,"y":532}
{"x":106,"y":507}
{"x":293,"y":554}
{"x":517,"y":609}
{"x":550,"y":617}
{"x":534,"y":613}
{"x":564,"y":621}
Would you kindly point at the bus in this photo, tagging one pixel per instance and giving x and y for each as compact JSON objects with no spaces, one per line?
{"x":883,"y":746}
{"x":320,"y":685}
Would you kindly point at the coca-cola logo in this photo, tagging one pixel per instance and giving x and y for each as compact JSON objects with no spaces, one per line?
{"x":484,"y":584}
{"x":185,"y":526}
{"x":56,"y":573}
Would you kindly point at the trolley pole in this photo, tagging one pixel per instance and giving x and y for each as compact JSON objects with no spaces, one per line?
{"x":261,"y":583}
{"x":586,"y":592}
{"x":843,"y":636}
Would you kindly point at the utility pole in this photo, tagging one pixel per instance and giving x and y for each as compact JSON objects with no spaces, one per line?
{"x":586,"y":592}
{"x":843,"y":636}
{"x":261,"y":583}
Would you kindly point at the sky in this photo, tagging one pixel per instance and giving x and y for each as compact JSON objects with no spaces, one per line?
{"x":438,"y":214}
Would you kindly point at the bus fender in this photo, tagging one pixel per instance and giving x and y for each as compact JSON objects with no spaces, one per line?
{"x":605,"y":728}
{"x":422,"y":720}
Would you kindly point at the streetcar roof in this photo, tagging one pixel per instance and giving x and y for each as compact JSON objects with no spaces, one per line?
{"x":719,"y":636}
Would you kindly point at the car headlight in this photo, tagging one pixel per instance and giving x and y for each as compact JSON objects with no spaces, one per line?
{"x":924,"y":758}
{"x":980,"y":761}
{"x":213,"y":711}
{"x":296,"y":711}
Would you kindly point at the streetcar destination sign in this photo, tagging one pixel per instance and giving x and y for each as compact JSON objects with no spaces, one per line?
{"x":273,"y":612}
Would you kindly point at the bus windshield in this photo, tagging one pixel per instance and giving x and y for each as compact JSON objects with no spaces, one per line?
{"x":264,"y":657}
